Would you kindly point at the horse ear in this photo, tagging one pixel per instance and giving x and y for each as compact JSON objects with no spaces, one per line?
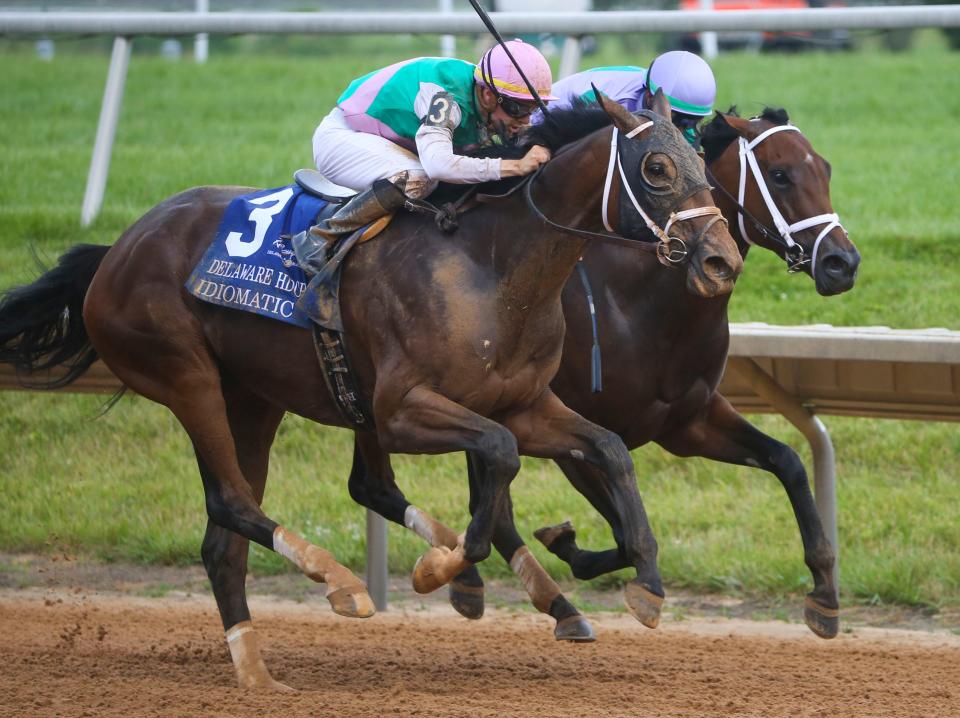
{"x":737,"y":124}
{"x":596,"y":93}
{"x":661,"y":104}
{"x":623,"y":120}
{"x":719,"y":120}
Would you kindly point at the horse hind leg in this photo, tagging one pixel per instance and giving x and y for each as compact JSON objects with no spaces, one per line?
{"x":544,"y":592}
{"x":253,"y":424}
{"x":548,"y":429}
{"x":561,"y":539}
{"x":372,"y":485}
{"x":163,"y":358}
{"x":232,"y":505}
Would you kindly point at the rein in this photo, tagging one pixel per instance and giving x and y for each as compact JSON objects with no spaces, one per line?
{"x":782,"y":237}
{"x":670,"y":251}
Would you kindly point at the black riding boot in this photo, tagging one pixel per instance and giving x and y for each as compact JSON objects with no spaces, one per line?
{"x":362,"y":209}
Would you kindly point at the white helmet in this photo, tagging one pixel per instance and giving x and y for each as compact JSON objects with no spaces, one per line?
{"x":687,"y":81}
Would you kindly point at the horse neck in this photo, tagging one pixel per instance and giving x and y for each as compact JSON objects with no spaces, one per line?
{"x":534,"y":262}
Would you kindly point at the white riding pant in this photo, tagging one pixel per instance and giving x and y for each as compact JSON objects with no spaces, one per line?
{"x":357,"y":159}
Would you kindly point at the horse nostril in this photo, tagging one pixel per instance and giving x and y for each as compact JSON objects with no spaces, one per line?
{"x":718,"y":268}
{"x":836,"y":265}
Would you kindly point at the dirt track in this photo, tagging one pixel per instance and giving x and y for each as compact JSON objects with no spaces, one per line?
{"x":70,"y":653}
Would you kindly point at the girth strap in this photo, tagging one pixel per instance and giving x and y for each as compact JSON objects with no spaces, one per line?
{"x":339,"y":377}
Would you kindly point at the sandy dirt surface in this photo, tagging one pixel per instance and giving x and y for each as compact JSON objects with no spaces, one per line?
{"x":75,"y":650}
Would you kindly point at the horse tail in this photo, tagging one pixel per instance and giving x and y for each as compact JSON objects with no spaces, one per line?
{"x":41,"y":324}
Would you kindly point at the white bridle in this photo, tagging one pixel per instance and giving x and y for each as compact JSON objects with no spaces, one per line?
{"x":748,"y":157}
{"x":661,"y":234}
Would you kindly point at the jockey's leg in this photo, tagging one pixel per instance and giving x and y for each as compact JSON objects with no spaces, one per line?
{"x":362,"y":209}
{"x":358,"y":160}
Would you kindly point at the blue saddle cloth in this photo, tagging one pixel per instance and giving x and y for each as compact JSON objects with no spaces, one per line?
{"x":250,"y":264}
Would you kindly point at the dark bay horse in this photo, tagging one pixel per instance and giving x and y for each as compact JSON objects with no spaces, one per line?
{"x":454,"y":340}
{"x":665,"y":350}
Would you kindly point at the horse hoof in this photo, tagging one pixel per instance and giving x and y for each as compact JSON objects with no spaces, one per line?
{"x":278,"y":687}
{"x":548,"y":534}
{"x":352,"y":602}
{"x":425,"y":578}
{"x":643,"y":604}
{"x":466,"y":600}
{"x":823,"y":621}
{"x":266,"y":685}
{"x":575,"y":629}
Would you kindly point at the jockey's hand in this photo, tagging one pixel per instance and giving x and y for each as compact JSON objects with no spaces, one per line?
{"x":536,"y":156}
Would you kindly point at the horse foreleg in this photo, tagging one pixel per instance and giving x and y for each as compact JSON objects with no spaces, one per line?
{"x":551,"y":430}
{"x":561,"y":539}
{"x":253,"y":424}
{"x":720,"y":433}
{"x":373,"y":485}
{"x":423,"y":421}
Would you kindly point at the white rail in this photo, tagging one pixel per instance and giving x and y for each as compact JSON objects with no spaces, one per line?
{"x":561,"y":23}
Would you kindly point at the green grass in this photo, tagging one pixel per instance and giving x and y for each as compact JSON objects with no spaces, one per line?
{"x":125,"y":486}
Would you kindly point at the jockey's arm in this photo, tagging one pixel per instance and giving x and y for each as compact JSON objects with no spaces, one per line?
{"x":435,"y":148}
{"x":434,"y":142}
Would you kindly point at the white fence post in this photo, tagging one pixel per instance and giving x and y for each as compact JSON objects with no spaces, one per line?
{"x":570,"y":57}
{"x":448,"y":43}
{"x":103,"y":145}
{"x":201,"y":43}
{"x":708,"y":40}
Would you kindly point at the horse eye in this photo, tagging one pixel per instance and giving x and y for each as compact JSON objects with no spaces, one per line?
{"x":655,"y":168}
{"x":780,"y":177}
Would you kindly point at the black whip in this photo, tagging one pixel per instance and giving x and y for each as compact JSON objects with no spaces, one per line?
{"x":493,"y":31}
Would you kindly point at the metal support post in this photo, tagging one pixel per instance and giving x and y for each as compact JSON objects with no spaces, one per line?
{"x":103,"y":146}
{"x":377,"y":559}
{"x":824,"y":460}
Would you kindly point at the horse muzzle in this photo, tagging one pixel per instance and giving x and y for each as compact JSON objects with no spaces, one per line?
{"x":836,"y":268}
{"x":715,"y":265}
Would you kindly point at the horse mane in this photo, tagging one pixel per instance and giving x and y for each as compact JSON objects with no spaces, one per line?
{"x":717,"y":134}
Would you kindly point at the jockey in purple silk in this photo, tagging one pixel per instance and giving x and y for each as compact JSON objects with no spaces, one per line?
{"x":399,"y":131}
{"x":685,"y":78}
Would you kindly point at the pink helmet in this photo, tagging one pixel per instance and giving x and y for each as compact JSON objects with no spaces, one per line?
{"x":497,"y":71}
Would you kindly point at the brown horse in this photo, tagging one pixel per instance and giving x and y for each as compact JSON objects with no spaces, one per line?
{"x":454,"y":346}
{"x":665,"y":351}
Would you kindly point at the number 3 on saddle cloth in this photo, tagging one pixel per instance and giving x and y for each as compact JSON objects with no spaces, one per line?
{"x":251,"y":266}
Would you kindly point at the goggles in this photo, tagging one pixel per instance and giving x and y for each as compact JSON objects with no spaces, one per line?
{"x":516,"y":110}
{"x":683,"y":121}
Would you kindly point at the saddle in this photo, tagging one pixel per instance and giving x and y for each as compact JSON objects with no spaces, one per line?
{"x":316,"y":184}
